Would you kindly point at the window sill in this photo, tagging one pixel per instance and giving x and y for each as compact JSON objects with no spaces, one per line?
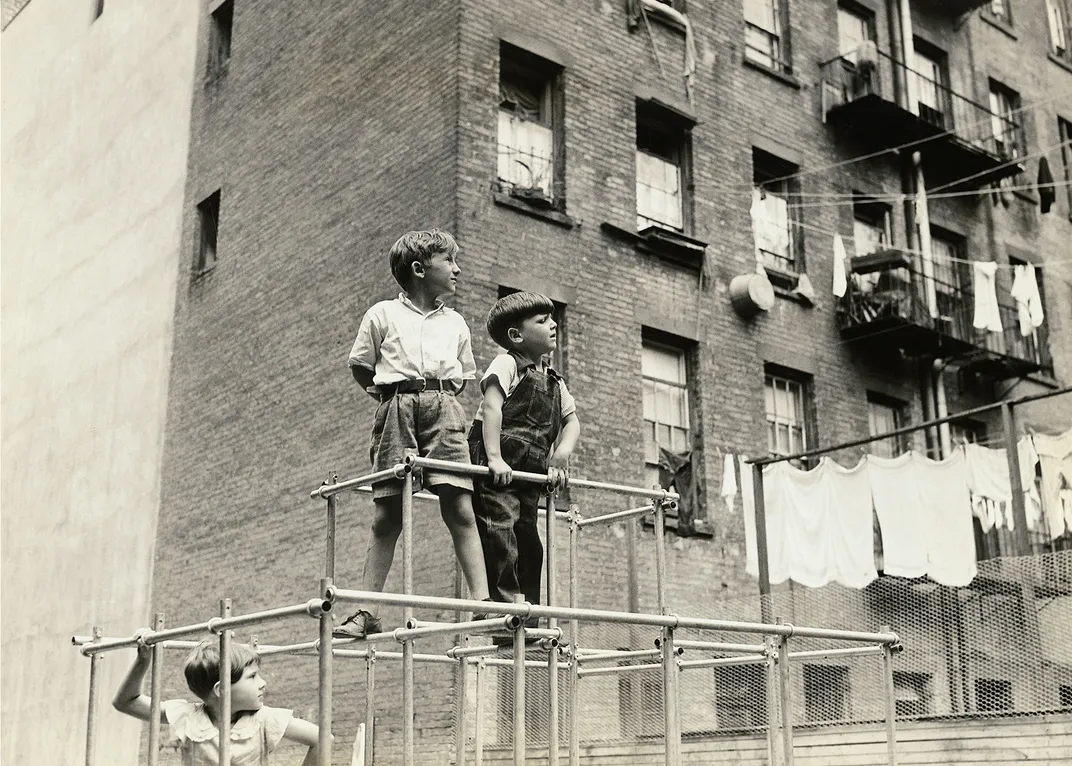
{"x":667,"y":245}
{"x":1063,"y":63}
{"x":553,"y":216}
{"x":782,"y":77}
{"x":1001,"y":26}
{"x":784,"y":282}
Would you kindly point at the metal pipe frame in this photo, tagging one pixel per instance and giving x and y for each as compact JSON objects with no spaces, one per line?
{"x":891,"y":703}
{"x":478,"y":727}
{"x":723,"y":662}
{"x":461,"y":703}
{"x":458,"y":652}
{"x":574,"y":666}
{"x":785,"y":695}
{"x":408,"y":702}
{"x":475,"y":628}
{"x":370,"y":707}
{"x":429,"y":497}
{"x":519,"y":691}
{"x":329,"y":553}
{"x":328,"y":490}
{"x":660,"y":557}
{"x":551,"y":563}
{"x":714,"y":646}
{"x":621,"y":655}
{"x":324,"y":663}
{"x":91,"y":711}
{"x":225,"y":688}
{"x":612,"y":669}
{"x":156,"y":682}
{"x":670,"y":699}
{"x":606,"y":518}
{"x":599,"y":615}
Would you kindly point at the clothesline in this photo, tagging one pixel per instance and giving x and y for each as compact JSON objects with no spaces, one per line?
{"x":850,"y":200}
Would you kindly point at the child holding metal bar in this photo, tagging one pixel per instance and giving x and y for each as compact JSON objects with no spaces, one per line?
{"x":256,"y":730}
{"x":413,"y":354}
{"x":527,"y":422}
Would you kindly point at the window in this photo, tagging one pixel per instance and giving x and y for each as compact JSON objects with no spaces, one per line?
{"x":98,"y":9}
{"x":219,"y":41}
{"x":740,"y":697}
{"x":662,"y":169}
{"x":529,"y":151}
{"x":992,"y":694}
{"x":1064,"y":129}
{"x":1006,"y":121}
{"x":1057,"y":16}
{"x":826,"y":693}
{"x":949,"y":281}
{"x":999,"y":10}
{"x":208,"y":226}
{"x":911,"y":694}
{"x":966,"y":432}
{"x":855,"y":25}
{"x":870,"y":225}
{"x":930,"y":77}
{"x":666,"y":403}
{"x":885,"y":414}
{"x":558,"y":358}
{"x":778,"y":236}
{"x":766,"y":34}
{"x":788,"y":408}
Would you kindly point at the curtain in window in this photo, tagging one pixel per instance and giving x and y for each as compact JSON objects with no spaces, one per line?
{"x":771,"y":225}
{"x":658,"y":189}
{"x":526,"y":152}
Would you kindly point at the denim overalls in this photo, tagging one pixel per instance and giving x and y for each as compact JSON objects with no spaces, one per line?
{"x":506,"y":517}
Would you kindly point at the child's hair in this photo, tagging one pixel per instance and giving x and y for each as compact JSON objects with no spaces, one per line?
{"x":417,"y":247}
{"x":511,"y":310}
{"x":202,"y":667}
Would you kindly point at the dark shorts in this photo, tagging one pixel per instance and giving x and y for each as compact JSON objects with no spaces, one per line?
{"x":431,"y":422}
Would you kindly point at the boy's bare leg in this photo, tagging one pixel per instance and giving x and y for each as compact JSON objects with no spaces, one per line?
{"x":386,"y":527}
{"x":456,"y":507}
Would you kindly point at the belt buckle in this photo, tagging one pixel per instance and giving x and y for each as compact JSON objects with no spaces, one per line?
{"x":423,"y":386}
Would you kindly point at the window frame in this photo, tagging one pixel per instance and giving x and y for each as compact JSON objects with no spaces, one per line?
{"x":778,"y":57}
{"x":901,"y":411}
{"x":686,"y":369}
{"x":1057,"y":25}
{"x":1038,"y":341}
{"x":1064,"y":135}
{"x":772,"y":175}
{"x":862,"y":13}
{"x":940,"y":113}
{"x":655,"y":123}
{"x":522,"y":69}
{"x":983,"y":688}
{"x":206,"y":234}
{"x":772,"y":374}
{"x":1004,"y":105}
{"x":220,"y":40}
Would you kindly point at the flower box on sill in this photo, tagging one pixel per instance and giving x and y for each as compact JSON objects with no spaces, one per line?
{"x":533,"y":196}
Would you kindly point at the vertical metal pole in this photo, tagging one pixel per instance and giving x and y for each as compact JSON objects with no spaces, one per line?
{"x":407,"y":614}
{"x":370,"y":705}
{"x":225,"y":687}
{"x":575,"y":678}
{"x":155,"y":688}
{"x":329,"y":567}
{"x":325,"y":666}
{"x":761,"y":543}
{"x":552,"y":622}
{"x":670,"y":699}
{"x":461,"y":702}
{"x":519,"y":689}
{"x":1012,"y":453}
{"x":478,"y":728}
{"x":773,"y":710}
{"x":890,"y":696}
{"x":660,"y":554}
{"x":785,"y":681}
{"x":91,"y":712}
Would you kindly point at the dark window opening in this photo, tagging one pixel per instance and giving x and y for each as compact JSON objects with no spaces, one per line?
{"x":208,"y":224}
{"x":219,"y":43}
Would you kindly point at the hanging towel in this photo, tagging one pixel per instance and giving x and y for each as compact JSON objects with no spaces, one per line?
{"x":1028,"y":459}
{"x":947,"y":514}
{"x":729,"y":481}
{"x":895,"y":493}
{"x":986,"y":300}
{"x":748,"y":507}
{"x":1047,"y":193}
{"x":1028,"y":300}
{"x":988,"y":483}
{"x":1055,"y":460}
{"x":841,"y":283}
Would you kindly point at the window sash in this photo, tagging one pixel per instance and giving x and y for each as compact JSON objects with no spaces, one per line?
{"x":928,"y":75}
{"x":883,"y":418}
{"x":1057,"y":18}
{"x":525,"y":153}
{"x":773,"y":229}
{"x":658,"y":191}
{"x":787,"y":431}
{"x":665,"y":401}
{"x":853,"y":29}
{"x":1005,"y":123}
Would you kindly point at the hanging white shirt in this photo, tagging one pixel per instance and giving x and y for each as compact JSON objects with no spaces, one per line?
{"x":987,"y":315}
{"x":841,"y":283}
{"x":1025,"y":292}
{"x":729,"y":481}
{"x":947,"y":515}
{"x":895,"y":493}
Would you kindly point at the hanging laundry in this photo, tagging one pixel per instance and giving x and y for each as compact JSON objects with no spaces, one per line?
{"x":947,"y":515}
{"x":729,"y":481}
{"x":1028,"y":300}
{"x":675,"y":472}
{"x":1046,"y":190}
{"x":895,"y":493}
{"x":989,"y":485}
{"x":841,"y":283}
{"x":819,"y":525}
{"x":748,"y":507}
{"x":986,"y":300}
{"x":1028,"y":459}
{"x":1055,"y":460}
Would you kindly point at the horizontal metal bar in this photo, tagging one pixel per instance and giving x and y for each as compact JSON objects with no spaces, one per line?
{"x":474,"y":628}
{"x":459,"y":652}
{"x":528,"y":663}
{"x":524,"y":609}
{"x":854,"y":651}
{"x":363,"y":654}
{"x":713,"y":646}
{"x":616,"y":516}
{"x":622,"y":655}
{"x":311,"y":608}
{"x":721,"y":662}
{"x":327,"y":490}
{"x":612,"y":669}
{"x":429,"y":497}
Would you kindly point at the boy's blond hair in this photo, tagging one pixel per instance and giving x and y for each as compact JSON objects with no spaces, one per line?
{"x":417,"y":247}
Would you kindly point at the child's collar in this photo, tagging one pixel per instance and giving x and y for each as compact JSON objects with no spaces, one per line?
{"x":524,"y":363}
{"x":405,"y":300}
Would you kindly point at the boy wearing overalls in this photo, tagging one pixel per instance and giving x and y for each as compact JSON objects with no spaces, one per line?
{"x":527,"y":421}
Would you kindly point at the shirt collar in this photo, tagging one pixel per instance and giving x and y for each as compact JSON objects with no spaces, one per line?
{"x":405,"y":301}
{"x":524,"y":363}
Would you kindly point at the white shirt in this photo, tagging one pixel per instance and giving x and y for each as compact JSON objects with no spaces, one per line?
{"x":398,"y":341}
{"x":504,"y":369}
{"x":197,"y":738}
